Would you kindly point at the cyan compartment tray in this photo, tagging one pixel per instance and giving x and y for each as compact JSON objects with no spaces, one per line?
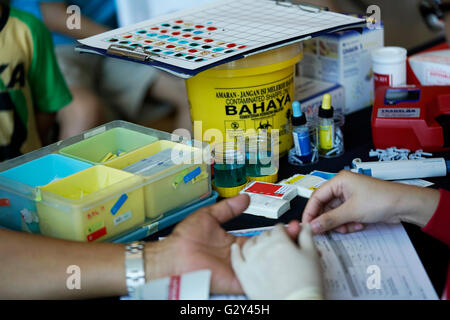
{"x":167,"y":221}
{"x":19,"y":189}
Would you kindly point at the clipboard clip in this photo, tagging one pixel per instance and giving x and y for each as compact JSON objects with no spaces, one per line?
{"x":136,"y":53}
{"x":301,"y":5}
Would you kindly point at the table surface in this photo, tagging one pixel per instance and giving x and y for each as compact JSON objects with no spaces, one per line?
{"x":358,"y":141}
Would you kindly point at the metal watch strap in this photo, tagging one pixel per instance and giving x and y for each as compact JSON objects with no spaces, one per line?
{"x":134,"y":265}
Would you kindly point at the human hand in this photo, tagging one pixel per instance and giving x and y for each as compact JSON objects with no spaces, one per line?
{"x":271,"y":266}
{"x":199,"y":242}
{"x":348,"y":200}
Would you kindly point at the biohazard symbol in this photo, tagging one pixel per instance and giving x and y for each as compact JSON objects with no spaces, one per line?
{"x":266,"y":125}
{"x":235,"y":125}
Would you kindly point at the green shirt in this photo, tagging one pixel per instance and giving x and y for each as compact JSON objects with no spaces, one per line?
{"x":30,"y":81}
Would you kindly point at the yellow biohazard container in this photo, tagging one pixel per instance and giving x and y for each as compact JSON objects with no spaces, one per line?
{"x":247,"y":94}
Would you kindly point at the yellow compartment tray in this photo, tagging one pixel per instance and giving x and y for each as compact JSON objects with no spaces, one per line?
{"x":167,"y":185}
{"x":95,"y":204}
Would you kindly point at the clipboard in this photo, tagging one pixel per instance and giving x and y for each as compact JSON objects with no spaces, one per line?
{"x":237,"y":33}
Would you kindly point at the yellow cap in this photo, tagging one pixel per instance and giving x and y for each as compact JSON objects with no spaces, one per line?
{"x":326,"y":101}
{"x":228,"y":192}
{"x":272,"y":178}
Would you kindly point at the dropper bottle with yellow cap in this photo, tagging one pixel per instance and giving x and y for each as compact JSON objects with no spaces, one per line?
{"x":326,"y":126}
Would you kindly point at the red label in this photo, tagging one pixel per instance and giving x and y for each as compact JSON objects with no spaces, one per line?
{"x":265,"y":188}
{"x":174,"y":288}
{"x":97,"y":234}
{"x":381,"y":80}
{"x":4,"y":203}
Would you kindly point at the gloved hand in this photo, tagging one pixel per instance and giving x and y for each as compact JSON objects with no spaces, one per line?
{"x":271,"y":266}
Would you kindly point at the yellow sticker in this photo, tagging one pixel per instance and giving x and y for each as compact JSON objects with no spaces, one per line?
{"x":295,"y":179}
{"x":179,"y":178}
{"x":200,"y":177}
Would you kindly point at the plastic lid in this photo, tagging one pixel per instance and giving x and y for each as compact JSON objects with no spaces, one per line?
{"x":389,"y":55}
{"x":326,"y":102}
{"x":228,"y":192}
{"x":296,"y":109}
{"x":298,"y":117}
{"x":326,"y":110}
{"x":272,"y":178}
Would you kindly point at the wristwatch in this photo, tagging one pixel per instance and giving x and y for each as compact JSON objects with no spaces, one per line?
{"x":134,"y":265}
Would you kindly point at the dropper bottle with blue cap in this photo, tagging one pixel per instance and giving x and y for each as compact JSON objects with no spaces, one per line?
{"x":300,"y":133}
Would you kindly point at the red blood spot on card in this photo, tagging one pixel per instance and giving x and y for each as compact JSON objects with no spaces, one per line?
{"x":170,"y":46}
{"x":176,"y":33}
{"x":163,"y":31}
{"x":154,"y":28}
{"x":127,"y":37}
{"x":196,"y":38}
{"x":186,"y":35}
{"x":179,"y":21}
{"x":148,"y":41}
{"x":192,"y":50}
{"x":212,"y":28}
{"x":242,"y":47}
{"x":231,"y":45}
{"x":209,"y":40}
{"x":199,"y":26}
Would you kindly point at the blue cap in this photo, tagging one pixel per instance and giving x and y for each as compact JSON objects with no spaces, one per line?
{"x":296,"y":109}
{"x":367,"y":172}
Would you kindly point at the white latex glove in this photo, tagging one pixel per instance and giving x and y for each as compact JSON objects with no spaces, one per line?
{"x":271,"y":266}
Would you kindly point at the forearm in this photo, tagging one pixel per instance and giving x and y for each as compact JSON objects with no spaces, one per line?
{"x":35,"y":267}
{"x":417,"y":205}
{"x":55,"y":18}
{"x":45,"y":122}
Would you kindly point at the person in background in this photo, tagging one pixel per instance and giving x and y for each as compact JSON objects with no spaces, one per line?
{"x":272,"y":266}
{"x":102,"y":88}
{"x":447,"y":21}
{"x":32,"y":88}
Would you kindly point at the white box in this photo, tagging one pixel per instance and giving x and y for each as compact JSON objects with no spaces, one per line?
{"x":432,"y":68}
{"x":268,"y":207}
{"x":309,"y":93}
{"x":344,"y":58}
